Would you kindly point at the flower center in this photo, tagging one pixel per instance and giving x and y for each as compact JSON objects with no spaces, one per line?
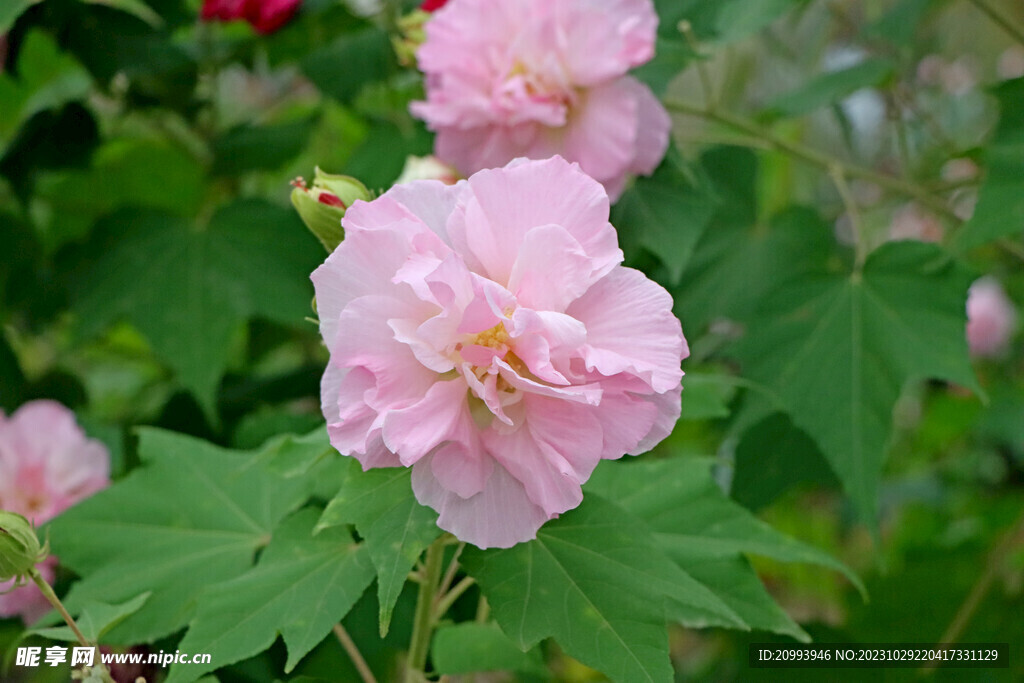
{"x":494,"y":338}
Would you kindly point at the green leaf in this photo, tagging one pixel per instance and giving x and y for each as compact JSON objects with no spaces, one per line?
{"x":738,"y":263}
{"x":300,"y":588}
{"x":136,"y":8}
{"x":740,"y":18}
{"x":50,"y":139}
{"x":188,"y":290}
{"x":666,"y":214}
{"x":194,"y":515}
{"x":671,"y":57}
{"x":772,"y":456}
{"x":11,"y":378}
{"x":831,"y":87}
{"x":707,"y":534}
{"x":94,"y":620}
{"x":597,"y":581}
{"x":47,"y":78}
{"x":292,"y":455}
{"x":706,"y":396}
{"x":900,"y":24}
{"x":395,"y":527}
{"x":11,"y":10}
{"x":124,"y":172}
{"x":109,"y":42}
{"x":1000,"y":208}
{"x":251,"y":148}
{"x":469,"y":647}
{"x":379,"y":160}
{"x":354,"y":59}
{"x":692,"y":518}
{"x":838,"y":348}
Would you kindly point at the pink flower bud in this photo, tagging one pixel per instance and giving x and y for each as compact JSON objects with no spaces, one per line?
{"x":991,"y":318}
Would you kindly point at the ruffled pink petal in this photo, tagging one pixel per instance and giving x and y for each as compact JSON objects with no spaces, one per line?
{"x":579,"y":393}
{"x":570,"y":430}
{"x":606,"y":38}
{"x":441,"y":415}
{"x":627,"y":421}
{"x":602,"y":136}
{"x":350,"y":420}
{"x":461,"y":470}
{"x":653,"y":128}
{"x":668,"y":405}
{"x":500,"y":516}
{"x":363,"y":264}
{"x":549,"y":479}
{"x":551,"y":269}
{"x":507,"y":203}
{"x":631,"y":329}
{"x":488,"y":144}
{"x":369,"y":342}
{"x":431,"y":204}
{"x":546,"y":341}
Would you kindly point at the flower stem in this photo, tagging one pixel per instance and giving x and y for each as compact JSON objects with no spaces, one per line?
{"x":446,"y":601}
{"x":59,"y":606}
{"x":816,"y":158}
{"x":1004,"y":23}
{"x":48,"y":593}
{"x":353,"y":652}
{"x":423,"y":621}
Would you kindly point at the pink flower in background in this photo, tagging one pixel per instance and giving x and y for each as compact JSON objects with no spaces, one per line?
{"x":485,"y":335}
{"x":266,"y":16}
{"x":535,"y":78}
{"x":991,"y":318}
{"x":46,"y":465}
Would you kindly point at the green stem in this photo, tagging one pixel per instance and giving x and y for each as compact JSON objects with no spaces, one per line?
{"x":994,"y":564}
{"x":52,"y":598}
{"x":860,"y":239}
{"x":445,"y":602}
{"x":59,"y":606}
{"x":1004,"y":23}
{"x":352,"y":650}
{"x":816,"y":158}
{"x":423,"y":621}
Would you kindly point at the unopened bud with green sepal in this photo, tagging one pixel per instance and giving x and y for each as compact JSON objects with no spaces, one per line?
{"x":322,"y":204}
{"x":20,"y":551}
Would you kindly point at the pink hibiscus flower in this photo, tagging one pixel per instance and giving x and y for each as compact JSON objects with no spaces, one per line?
{"x":535,"y":78}
{"x":46,"y":465}
{"x":991,"y":318}
{"x":266,"y":16}
{"x":486,"y":335}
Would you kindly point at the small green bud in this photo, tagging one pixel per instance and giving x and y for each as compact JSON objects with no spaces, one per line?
{"x":322,"y":205}
{"x":410,"y":36}
{"x":19,"y":546}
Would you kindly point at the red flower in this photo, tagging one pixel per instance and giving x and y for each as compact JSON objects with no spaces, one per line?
{"x":266,"y":16}
{"x":432,"y":5}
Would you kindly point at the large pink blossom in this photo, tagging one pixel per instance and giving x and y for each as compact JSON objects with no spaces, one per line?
{"x":46,"y":465}
{"x":535,"y":78}
{"x":486,"y":335}
{"x":991,"y":318}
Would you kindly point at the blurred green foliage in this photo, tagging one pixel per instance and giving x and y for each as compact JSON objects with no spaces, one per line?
{"x":153,"y":274}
